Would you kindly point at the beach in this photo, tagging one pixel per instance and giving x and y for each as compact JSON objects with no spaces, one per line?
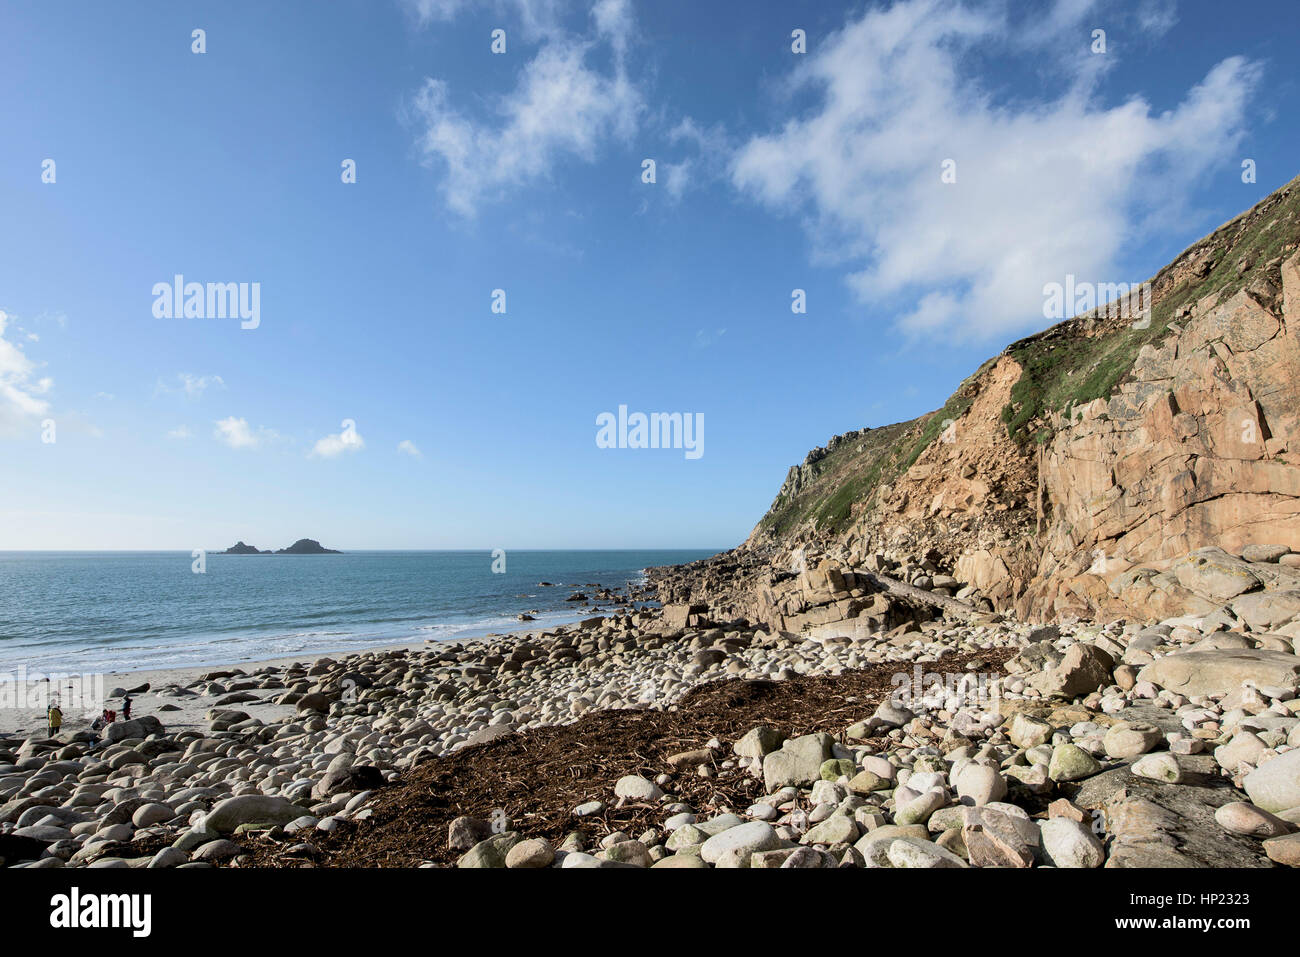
{"x":680,"y":737}
{"x":178,"y":712}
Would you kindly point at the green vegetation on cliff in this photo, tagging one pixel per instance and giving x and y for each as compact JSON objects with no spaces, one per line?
{"x":1068,"y":365}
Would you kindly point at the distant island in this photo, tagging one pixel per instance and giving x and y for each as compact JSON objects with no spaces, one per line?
{"x":239,"y":548}
{"x":303,"y":546}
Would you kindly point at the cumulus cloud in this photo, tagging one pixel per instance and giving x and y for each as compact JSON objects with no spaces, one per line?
{"x":348,"y":440}
{"x":563,"y":107}
{"x":407,"y":447}
{"x":236,"y":433}
{"x":21,"y":405}
{"x":1044,"y":186}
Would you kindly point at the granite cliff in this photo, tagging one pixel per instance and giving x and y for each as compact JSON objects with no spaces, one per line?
{"x":1090,"y":471}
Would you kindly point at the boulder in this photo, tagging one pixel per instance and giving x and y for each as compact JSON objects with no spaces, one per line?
{"x":1222,"y":671}
{"x":1161,"y":766}
{"x":798,"y":763}
{"x":1274,"y":786}
{"x":315,"y":701}
{"x":1149,"y":824}
{"x":997,"y":839}
{"x":490,"y":853}
{"x":1263,"y":553}
{"x":1069,"y":843}
{"x":251,"y":809}
{"x":910,"y":853}
{"x":1213,"y":573}
{"x":218,"y":850}
{"x":1084,"y":668}
{"x":140,"y":727}
{"x":1029,"y":732}
{"x":1283,"y":850}
{"x":978,"y":784}
{"x":758,"y":742}
{"x":1127,"y":739}
{"x":465,"y":831}
{"x":1248,"y":820}
{"x":357,"y":777}
{"x":740,"y":842}
{"x":1070,"y":762}
{"x":633,"y":787}
{"x":1267,"y":610}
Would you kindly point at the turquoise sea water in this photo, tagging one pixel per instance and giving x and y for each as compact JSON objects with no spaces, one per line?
{"x":80,"y":612}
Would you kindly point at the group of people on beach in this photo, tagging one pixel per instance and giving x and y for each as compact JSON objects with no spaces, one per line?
{"x":54,"y":716}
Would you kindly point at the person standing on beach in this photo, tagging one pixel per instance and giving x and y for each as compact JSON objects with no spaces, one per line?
{"x":126,"y":708}
{"x":54,"y":717}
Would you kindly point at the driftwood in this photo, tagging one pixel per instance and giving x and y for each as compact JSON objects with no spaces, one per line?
{"x":903,"y":590}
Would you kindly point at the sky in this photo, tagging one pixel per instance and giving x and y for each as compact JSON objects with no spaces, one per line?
{"x":462,"y":259}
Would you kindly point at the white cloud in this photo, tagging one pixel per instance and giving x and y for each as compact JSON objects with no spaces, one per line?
{"x":190,"y":385}
{"x":20,"y":404}
{"x":1157,"y":17}
{"x":236,"y":433}
{"x":432,"y":11}
{"x":181,"y":432}
{"x":195,"y":386}
{"x":348,"y":440}
{"x":615,"y":22}
{"x":1045,"y":186}
{"x":407,"y":447}
{"x":534,"y":17}
{"x":710,"y":152}
{"x":562,"y":107}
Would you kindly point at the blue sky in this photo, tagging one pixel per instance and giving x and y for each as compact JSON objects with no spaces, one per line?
{"x":522,"y":171}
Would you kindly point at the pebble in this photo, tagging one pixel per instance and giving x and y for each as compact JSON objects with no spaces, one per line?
{"x":871,"y":791}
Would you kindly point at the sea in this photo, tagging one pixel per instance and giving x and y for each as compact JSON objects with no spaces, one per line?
{"x":98,"y":612}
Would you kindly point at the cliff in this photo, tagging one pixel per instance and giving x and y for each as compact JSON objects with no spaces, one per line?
{"x":1070,"y":474}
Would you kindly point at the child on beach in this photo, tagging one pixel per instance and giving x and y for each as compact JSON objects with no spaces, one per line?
{"x":54,"y":717}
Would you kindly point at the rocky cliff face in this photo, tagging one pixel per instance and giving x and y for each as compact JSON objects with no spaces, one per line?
{"x":1069,"y":475}
{"x":1199,"y":448}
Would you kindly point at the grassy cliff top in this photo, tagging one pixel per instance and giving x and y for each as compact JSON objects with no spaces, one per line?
{"x":1072,"y":363}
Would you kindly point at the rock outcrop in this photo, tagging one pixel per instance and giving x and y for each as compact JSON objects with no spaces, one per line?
{"x":1083,"y":473}
{"x":239,"y":548}
{"x":1200,"y":448}
{"x":303,"y":546}
{"x":307,"y":546}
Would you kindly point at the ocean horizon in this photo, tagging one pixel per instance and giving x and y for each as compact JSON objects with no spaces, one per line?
{"x":79,"y":612}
